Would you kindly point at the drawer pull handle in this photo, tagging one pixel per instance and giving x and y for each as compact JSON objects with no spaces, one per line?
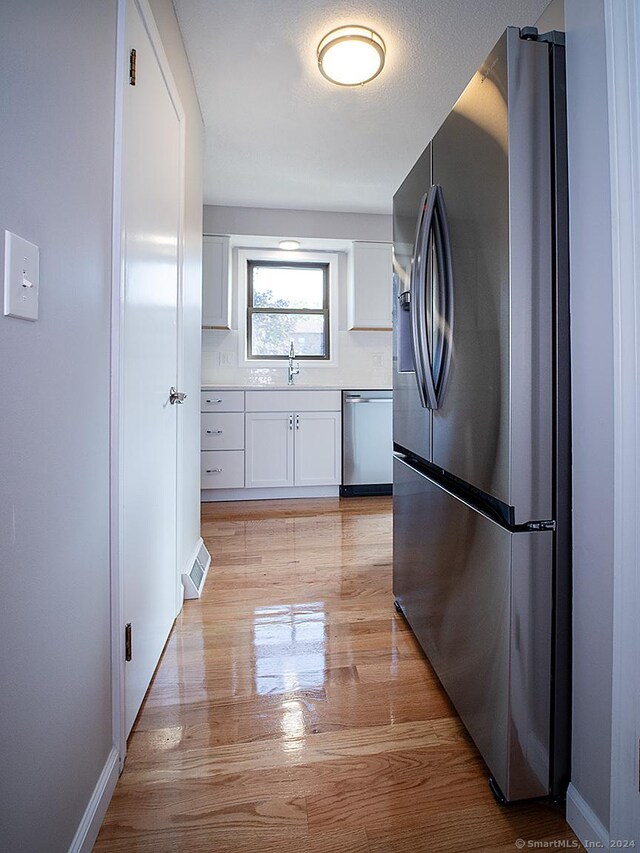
{"x":214,"y":432}
{"x":213,"y":401}
{"x":214,"y":470}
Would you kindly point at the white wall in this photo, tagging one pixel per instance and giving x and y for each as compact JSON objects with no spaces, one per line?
{"x":57,"y":66}
{"x":364,"y":358}
{"x":552,"y":18}
{"x":273,"y":222}
{"x":189,"y":498}
{"x":593,"y":427}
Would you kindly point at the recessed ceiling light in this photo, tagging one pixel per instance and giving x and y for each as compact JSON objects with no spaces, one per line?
{"x":289,"y":245}
{"x":351,"y":56}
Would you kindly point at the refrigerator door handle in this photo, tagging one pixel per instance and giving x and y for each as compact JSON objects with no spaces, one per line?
{"x":417,"y":304}
{"x":442,"y":242}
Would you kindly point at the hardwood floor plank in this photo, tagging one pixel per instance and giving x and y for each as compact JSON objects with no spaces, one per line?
{"x":294,"y":712}
{"x":211,"y":761}
{"x":152,"y":811}
{"x":479,"y":828}
{"x":203,"y":840}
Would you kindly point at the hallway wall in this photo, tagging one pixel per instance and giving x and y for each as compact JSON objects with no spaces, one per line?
{"x":57,"y":101}
{"x":57,"y":65}
{"x":593,"y":415}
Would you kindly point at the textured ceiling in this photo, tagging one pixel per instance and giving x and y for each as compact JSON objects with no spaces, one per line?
{"x":279,"y":135}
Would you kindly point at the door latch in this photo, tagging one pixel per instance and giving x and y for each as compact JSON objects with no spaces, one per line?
{"x":176,"y":396}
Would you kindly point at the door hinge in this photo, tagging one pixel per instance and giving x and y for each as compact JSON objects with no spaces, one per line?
{"x":532,"y":34}
{"x":132,"y":67}
{"x":127,"y":641}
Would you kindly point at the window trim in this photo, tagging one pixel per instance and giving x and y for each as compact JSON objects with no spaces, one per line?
{"x":324,"y":311}
{"x":335,"y":257}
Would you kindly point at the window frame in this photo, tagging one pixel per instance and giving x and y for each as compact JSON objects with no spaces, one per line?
{"x":325,"y":311}
{"x":335,"y":255}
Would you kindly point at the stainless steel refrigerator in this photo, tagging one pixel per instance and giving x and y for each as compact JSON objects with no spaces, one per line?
{"x":481,"y":506}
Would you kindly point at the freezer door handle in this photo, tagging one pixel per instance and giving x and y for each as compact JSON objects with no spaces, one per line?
{"x":444,"y":321}
{"x":417,"y":304}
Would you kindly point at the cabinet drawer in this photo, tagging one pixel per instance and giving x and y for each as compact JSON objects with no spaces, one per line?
{"x":294,"y":401}
{"x":222,"y":469}
{"x":222,"y":401}
{"x":223,"y":431}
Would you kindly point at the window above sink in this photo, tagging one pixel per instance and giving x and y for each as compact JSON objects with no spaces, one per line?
{"x":281,"y":299}
{"x":288,"y":304}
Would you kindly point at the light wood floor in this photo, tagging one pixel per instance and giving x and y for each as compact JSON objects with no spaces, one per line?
{"x":293,"y":711}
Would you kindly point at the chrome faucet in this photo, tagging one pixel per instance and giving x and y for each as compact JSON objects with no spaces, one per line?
{"x":293,"y":371}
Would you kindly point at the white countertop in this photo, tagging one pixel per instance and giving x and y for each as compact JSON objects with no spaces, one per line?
{"x":248,"y":387}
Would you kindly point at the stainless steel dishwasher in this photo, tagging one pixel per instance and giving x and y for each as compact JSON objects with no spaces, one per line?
{"x":367,"y":444}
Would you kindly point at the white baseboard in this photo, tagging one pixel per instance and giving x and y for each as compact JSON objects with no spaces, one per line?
{"x":584,"y":821}
{"x":208,"y":495}
{"x":93,"y":816}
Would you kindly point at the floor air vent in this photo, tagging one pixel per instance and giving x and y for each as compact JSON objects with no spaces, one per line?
{"x":193,"y":581}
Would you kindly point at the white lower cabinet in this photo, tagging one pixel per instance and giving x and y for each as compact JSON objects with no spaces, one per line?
{"x":292,"y":449}
{"x":222,"y":469}
{"x":317,"y":457}
{"x":269,"y":450}
{"x":288,"y":441}
{"x":221,"y":439}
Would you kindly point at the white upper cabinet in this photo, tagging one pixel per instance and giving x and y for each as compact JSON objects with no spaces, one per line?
{"x":369,"y":297}
{"x":216,"y":302}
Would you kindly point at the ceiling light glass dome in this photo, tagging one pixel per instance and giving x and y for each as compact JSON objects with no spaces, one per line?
{"x":351,"y":56}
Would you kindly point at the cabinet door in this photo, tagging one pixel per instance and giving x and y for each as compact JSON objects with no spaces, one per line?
{"x":269,"y":449}
{"x":370,"y":287}
{"x":216,"y":305}
{"x":318,"y":458}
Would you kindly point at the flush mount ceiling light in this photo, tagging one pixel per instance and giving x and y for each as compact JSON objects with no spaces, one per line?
{"x":289,"y":245}
{"x":351,"y":56}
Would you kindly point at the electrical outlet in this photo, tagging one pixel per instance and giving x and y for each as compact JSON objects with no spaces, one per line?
{"x":377,"y":359}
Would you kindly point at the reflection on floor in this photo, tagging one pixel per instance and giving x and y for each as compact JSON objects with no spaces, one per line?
{"x":293,"y":711}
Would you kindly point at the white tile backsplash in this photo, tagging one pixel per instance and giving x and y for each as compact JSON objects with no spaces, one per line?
{"x":364,"y":361}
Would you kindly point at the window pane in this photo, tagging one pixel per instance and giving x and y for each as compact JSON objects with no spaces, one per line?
{"x":288,"y":287}
{"x":272,"y":334}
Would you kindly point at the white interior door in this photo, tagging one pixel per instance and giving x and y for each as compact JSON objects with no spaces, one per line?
{"x":151,"y":222}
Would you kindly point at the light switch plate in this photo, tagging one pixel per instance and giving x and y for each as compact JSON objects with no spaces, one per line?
{"x":21,"y":277}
